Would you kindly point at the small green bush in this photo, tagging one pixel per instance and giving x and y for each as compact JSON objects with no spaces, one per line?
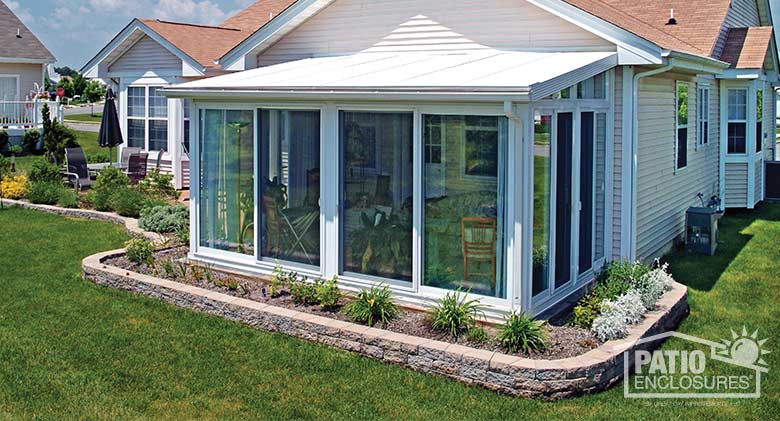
{"x":68,"y":199}
{"x":127,"y":201}
{"x":477,"y":334}
{"x":586,"y":311}
{"x":5,"y":167}
{"x":3,"y":140}
{"x":44,"y":171}
{"x":522,"y":332}
{"x":140,"y":250}
{"x":371,"y":305}
{"x":158,"y":185}
{"x":165,"y":219}
{"x":303,"y":291}
{"x":110,"y":178}
{"x":98,"y":158}
{"x":183,"y":234}
{"x":328,"y":293}
{"x":16,"y":150}
{"x":45,"y":192}
{"x":279,"y":280}
{"x":455,"y":314}
{"x":30,"y":141}
{"x":618,"y":273}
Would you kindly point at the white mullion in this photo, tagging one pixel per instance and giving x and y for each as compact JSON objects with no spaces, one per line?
{"x":575,"y":194}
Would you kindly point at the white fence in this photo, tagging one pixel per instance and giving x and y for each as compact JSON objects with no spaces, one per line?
{"x":24,"y":115}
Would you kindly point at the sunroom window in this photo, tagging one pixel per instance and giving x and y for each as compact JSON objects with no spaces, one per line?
{"x":227,"y":199}
{"x":464,"y":206}
{"x":737,"y":123}
{"x":759,"y":120}
{"x":681,"y":155}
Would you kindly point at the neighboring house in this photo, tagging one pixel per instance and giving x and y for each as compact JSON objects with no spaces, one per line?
{"x":23,"y":61}
{"x":150,"y":54}
{"x":510,"y":148}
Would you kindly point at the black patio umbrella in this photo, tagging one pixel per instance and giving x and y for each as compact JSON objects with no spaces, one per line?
{"x":110,"y":133}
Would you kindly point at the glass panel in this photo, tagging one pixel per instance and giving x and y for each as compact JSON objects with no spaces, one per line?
{"x":158,"y":104}
{"x":737,"y":136}
{"x":186,"y":104}
{"x":682,"y":148}
{"x":593,"y":88}
{"x":158,"y":135}
{"x":759,"y":120}
{"x":542,"y":177}
{"x":563,"y":202}
{"x":376,"y":195}
{"x":463,"y":214}
{"x":289,"y":168}
{"x":587,"y":139}
{"x":136,"y":133}
{"x":737,"y":104}
{"x":136,"y":101}
{"x":682,"y":104}
{"x":601,"y":184}
{"x":227,"y":199}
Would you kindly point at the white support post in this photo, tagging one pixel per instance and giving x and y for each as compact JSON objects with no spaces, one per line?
{"x":175,"y":137}
{"x":330,"y":188}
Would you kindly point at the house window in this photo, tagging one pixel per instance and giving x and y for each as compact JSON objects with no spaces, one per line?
{"x":681,"y":150}
{"x":289,"y":168}
{"x":377,"y":194}
{"x":227,"y":198}
{"x":737,"y":122}
{"x":147,"y":118}
{"x":186,"y":104}
{"x":463,"y":233}
{"x":703,"y":116}
{"x":9,"y":88}
{"x":593,"y":88}
{"x":542,"y":191}
{"x":759,"y":120}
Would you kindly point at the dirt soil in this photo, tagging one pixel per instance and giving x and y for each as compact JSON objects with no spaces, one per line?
{"x":564,"y":341}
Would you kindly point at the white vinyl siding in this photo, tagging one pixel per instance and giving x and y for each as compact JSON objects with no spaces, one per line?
{"x":662,"y":196}
{"x":146,"y":55}
{"x":351,"y":26}
{"x":736,"y":184}
{"x":741,"y":14}
{"x":28,"y":74}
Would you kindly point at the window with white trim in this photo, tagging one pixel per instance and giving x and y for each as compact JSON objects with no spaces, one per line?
{"x":9,"y":88}
{"x":703,"y":116}
{"x":737,"y":121}
{"x":147,"y":118}
{"x":681,"y":147}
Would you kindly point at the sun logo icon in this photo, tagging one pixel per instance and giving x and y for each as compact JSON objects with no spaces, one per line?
{"x":745,"y":350}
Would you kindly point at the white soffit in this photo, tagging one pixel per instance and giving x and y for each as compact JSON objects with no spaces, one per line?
{"x":535,"y":74}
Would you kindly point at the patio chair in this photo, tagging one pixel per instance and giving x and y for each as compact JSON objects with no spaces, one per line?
{"x":479,"y":246}
{"x":136,"y":167}
{"x":77,"y":171}
{"x":126,"y":152}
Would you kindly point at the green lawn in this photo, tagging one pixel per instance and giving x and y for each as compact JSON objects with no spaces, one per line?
{"x":71,"y":349}
{"x":87,"y":141}
{"x":88,"y":118}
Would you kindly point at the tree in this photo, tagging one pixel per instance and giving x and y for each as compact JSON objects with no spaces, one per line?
{"x":66,"y":71}
{"x":67,"y":84}
{"x":95,"y":91}
{"x":56,"y":137}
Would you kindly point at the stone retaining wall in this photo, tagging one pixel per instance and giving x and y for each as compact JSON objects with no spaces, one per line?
{"x":545,"y":379}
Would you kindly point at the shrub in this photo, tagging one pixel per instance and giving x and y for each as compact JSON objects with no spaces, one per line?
{"x":371,"y":305}
{"x":56,"y":136}
{"x":5,"y":167}
{"x":653,"y":286}
{"x":98,"y":158}
{"x":630,"y":273}
{"x":278,"y":282}
{"x":45,"y":192}
{"x":14,"y":188}
{"x":110,"y":178}
{"x":3,"y":140}
{"x":328,"y":293}
{"x":522,"y":332}
{"x":158,"y":185}
{"x":165,"y":219}
{"x":44,"y":171}
{"x":30,"y":141}
{"x":140,"y":250}
{"x":68,"y":199}
{"x":183,"y":233}
{"x":303,"y":291}
{"x":455,"y":314}
{"x":617,"y":315}
{"x":586,"y":311}
{"x":15,"y":150}
{"x":477,"y":334}
{"x":610,"y":326}
{"x":127,"y":201}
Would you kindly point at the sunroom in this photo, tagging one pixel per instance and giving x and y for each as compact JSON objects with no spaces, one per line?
{"x":484,"y":172}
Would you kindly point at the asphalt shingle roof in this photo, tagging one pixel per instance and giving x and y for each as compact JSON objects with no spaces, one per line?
{"x":28,"y":47}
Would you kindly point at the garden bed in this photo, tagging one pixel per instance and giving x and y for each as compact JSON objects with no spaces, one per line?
{"x":563,"y":341}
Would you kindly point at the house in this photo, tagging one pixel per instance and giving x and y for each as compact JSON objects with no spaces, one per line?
{"x":506,"y":147}
{"x":23,"y":62}
{"x":149,"y":54}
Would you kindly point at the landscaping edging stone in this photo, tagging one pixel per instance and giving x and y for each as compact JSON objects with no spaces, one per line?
{"x":130,"y":224}
{"x":591,"y":372}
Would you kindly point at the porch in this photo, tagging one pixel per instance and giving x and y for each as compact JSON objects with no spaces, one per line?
{"x":16,"y":117}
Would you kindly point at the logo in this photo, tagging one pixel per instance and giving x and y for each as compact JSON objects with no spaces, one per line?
{"x":730,"y":368}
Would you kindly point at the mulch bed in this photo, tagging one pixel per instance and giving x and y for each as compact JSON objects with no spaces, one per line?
{"x":564,"y":341}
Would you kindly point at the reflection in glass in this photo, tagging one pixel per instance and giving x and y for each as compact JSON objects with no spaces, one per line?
{"x":377,"y":174}
{"x":541,"y":234}
{"x":227,"y":198}
{"x":464,"y":203}
{"x":289,"y":167}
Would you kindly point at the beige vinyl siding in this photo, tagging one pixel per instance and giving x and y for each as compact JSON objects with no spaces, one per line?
{"x":736,"y":184}
{"x":350,"y":26}
{"x":741,"y":14}
{"x":147,"y":56}
{"x":617,"y":167}
{"x":758,"y":182}
{"x":665,"y":193}
{"x":769,"y":120}
{"x":29,"y":75}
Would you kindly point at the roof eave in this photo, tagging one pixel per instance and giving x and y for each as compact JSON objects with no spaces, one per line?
{"x":696,"y":63}
{"x":27,"y":60}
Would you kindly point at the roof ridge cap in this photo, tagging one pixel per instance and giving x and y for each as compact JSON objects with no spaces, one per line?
{"x":196,"y":25}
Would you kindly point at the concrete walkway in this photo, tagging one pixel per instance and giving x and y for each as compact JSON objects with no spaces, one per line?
{"x":84,"y":127}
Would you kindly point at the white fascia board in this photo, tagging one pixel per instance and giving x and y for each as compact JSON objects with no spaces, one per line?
{"x":275,"y":29}
{"x":742,"y":74}
{"x":694,"y":63}
{"x":12,"y":60}
{"x":641,"y":48}
{"x":544,"y":89}
{"x":254,"y":95}
{"x":93,"y":66}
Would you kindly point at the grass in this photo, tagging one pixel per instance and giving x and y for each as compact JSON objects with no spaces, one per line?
{"x":87,"y":118}
{"x":87,"y":141}
{"x":71,"y":349}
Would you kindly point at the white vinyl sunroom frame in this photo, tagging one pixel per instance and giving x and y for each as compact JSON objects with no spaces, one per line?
{"x":518,"y":196}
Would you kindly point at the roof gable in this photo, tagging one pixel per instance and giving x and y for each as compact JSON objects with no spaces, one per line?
{"x":256,"y":15}
{"x":746,"y":48}
{"x":28,"y":48}
{"x":202,"y":43}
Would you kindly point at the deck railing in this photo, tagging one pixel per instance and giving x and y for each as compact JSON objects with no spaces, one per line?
{"x":27,"y":114}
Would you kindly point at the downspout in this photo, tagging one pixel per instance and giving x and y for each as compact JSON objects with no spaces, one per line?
{"x":635,"y":148}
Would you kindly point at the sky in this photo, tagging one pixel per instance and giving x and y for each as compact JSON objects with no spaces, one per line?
{"x":75,"y":30}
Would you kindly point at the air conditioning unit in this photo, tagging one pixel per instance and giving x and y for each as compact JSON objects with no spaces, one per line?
{"x":701,"y":230}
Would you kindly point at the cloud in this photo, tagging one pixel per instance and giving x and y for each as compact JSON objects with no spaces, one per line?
{"x":23,"y":13}
{"x":191,"y":11}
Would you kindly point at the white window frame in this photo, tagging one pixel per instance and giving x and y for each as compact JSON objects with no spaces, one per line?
{"x":147,"y":117}
{"x":759,"y":119}
{"x":678,"y":126}
{"x":703,"y":115}
{"x":744,"y":121}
